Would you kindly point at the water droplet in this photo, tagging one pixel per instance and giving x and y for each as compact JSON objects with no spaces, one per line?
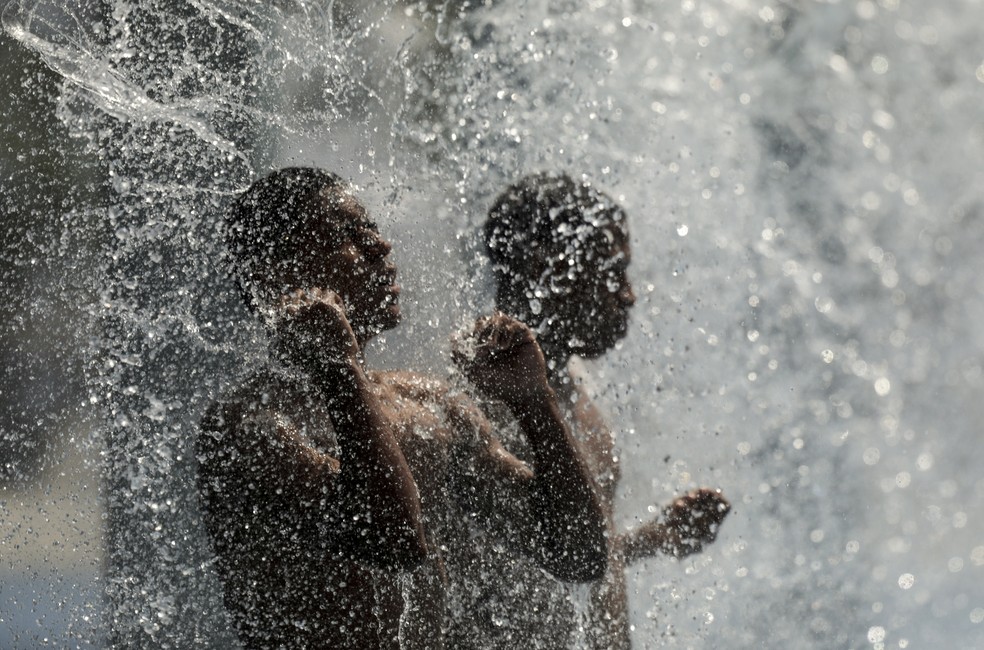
{"x":876,"y":634}
{"x":882,"y":386}
{"x":871,"y":456}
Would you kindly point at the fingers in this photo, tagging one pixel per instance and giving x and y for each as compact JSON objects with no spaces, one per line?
{"x":501,"y":359}
{"x":312,"y":329}
{"x":699,"y":509}
{"x":298,"y":299}
{"x":500,"y":334}
{"x":694,"y":520}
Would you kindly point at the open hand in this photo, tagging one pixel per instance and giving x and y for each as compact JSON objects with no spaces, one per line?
{"x":502,"y":359}
{"x":684,"y":527}
{"x":693,"y":520}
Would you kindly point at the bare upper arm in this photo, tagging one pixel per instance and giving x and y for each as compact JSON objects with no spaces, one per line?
{"x":254,"y":451}
{"x":477,"y":439}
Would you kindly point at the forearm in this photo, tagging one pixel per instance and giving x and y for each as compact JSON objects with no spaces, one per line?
{"x":569,"y":529}
{"x":651,"y":539}
{"x":376,"y":495}
{"x":608,"y":618}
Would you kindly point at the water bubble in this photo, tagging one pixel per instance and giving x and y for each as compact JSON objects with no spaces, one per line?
{"x":879,"y":64}
{"x":876,"y":634}
{"x":871,"y":456}
{"x":906,"y":580}
{"x":924,"y":462}
{"x":866,"y":9}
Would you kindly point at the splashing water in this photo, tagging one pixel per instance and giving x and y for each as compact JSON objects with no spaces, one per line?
{"x":804,"y":192}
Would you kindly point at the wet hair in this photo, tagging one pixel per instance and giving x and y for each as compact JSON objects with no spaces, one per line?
{"x":538,"y":217}
{"x":262,"y":225}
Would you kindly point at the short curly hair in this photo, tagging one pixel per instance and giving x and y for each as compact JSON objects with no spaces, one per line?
{"x":545,"y":211}
{"x":262,"y":225}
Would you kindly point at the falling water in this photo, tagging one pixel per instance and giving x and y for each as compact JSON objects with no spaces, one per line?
{"x":804,"y":184}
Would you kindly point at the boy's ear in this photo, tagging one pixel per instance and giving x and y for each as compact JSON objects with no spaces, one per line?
{"x":539,"y":257}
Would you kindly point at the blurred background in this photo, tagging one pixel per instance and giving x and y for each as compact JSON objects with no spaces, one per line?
{"x":51,"y":549}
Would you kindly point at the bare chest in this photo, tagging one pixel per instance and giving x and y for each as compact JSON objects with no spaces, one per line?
{"x":424,"y":438}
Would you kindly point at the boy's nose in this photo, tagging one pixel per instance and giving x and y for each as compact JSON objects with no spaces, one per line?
{"x":627,"y":296}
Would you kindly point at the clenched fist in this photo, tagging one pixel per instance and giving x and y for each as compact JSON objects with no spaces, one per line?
{"x":312,"y":331}
{"x":502,"y":359}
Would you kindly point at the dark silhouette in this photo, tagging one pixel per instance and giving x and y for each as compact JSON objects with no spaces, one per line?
{"x":333,"y":495}
{"x":559,"y":252}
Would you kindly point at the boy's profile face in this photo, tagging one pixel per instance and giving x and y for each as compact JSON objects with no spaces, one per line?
{"x":341,"y":250}
{"x":586,"y":294}
{"x":595,"y":313}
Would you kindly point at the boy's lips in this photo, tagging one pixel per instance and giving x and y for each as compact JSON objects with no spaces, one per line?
{"x":392,"y":291}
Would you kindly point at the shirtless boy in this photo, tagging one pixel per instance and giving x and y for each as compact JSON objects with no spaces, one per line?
{"x":332,"y":494}
{"x":559,"y":252}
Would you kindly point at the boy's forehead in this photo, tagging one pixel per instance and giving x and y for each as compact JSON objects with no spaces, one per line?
{"x":605,"y":233}
{"x":344,"y":203}
{"x":340,"y":210}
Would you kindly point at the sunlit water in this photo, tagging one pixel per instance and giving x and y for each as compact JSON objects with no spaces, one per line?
{"x":804,"y":183}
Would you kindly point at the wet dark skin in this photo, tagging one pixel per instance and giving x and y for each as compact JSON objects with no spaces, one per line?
{"x":585,"y":313}
{"x":328,"y":489}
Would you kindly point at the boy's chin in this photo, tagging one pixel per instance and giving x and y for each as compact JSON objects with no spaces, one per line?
{"x":598,"y":346}
{"x":593,"y":352}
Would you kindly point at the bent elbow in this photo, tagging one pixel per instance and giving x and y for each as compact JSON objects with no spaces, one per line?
{"x":581,"y":569}
{"x":593,"y":568}
{"x":403,"y":550}
{"x":411,"y":552}
{"x":589,"y":568}
{"x":586,"y":563}
{"x":593,"y":553}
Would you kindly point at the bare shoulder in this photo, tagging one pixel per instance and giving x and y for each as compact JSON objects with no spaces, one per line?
{"x":457,"y":409}
{"x":580,"y":391}
{"x":259,"y":397}
{"x":255,"y":393}
{"x":411,"y":385}
{"x":268,"y":419}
